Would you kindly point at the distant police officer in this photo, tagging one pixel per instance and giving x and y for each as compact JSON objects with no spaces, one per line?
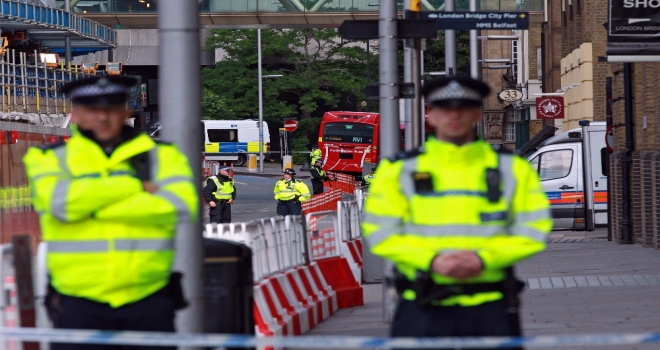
{"x":220,"y":193}
{"x":454,"y":217}
{"x":290,"y":193}
{"x":367,"y":179}
{"x":109,"y":201}
{"x":315,"y":155}
{"x":318,"y":177}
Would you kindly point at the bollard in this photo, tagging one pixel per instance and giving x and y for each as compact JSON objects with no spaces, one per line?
{"x":252,"y":163}
{"x":287,"y":162}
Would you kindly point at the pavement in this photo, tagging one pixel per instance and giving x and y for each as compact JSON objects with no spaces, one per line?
{"x":581,"y":284}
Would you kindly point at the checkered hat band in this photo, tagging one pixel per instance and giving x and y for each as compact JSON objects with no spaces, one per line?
{"x":95,"y":90}
{"x":454,"y":91}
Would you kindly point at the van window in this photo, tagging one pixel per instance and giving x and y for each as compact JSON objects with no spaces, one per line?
{"x":555,"y":164}
{"x":222,"y":135}
{"x":535,"y":162}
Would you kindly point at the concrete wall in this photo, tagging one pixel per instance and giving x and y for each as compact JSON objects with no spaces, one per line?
{"x":139,"y":47}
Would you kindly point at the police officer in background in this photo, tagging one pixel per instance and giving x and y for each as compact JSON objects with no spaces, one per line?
{"x":318,"y":177}
{"x":315,"y":155}
{"x":367,"y":179}
{"x":109,"y":202}
{"x":454,"y":217}
{"x":220,"y":193}
{"x":290,"y":193}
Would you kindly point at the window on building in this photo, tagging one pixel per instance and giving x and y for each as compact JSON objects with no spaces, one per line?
{"x":509,"y":125}
{"x":222,"y":135}
{"x":514,"y":57}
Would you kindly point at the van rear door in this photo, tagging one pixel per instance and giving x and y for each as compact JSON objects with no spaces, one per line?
{"x":595,"y":187}
{"x":560,"y":174}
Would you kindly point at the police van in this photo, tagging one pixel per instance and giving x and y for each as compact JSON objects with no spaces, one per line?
{"x":234,"y":140}
{"x":573,"y":174}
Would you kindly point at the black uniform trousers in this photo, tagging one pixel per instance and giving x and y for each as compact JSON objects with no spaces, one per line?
{"x":488,"y":319}
{"x":221,"y":213}
{"x":154,"y":313}
{"x":317,"y":187}
{"x":292,"y":207}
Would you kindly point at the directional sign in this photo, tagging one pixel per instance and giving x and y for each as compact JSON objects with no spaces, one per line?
{"x":290,"y":125}
{"x":406,"y":29}
{"x":475,"y":20}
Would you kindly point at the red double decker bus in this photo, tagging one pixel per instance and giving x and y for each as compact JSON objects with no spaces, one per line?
{"x":348,"y":139}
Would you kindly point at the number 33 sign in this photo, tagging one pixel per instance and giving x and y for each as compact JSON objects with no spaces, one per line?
{"x":510,"y":95}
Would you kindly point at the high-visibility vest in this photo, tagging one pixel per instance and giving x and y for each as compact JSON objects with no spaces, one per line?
{"x":315,"y":155}
{"x":436,"y":201}
{"x":288,"y":190}
{"x":108,"y":239}
{"x":368,"y":178}
{"x":223,"y":190}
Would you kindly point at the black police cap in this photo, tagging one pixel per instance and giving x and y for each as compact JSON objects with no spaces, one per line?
{"x":456,"y":91}
{"x":289,"y":171}
{"x":99,"y":90}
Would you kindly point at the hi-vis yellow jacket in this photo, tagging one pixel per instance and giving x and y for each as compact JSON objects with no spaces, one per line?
{"x":410,"y":227}
{"x":288,"y":190}
{"x":108,"y":239}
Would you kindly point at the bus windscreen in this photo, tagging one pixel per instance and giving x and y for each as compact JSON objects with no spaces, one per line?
{"x":348,"y":132}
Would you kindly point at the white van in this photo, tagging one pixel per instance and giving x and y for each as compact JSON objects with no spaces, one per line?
{"x":573,"y":175}
{"x":233,"y":140}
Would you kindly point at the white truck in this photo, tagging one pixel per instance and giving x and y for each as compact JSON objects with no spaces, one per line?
{"x":573,"y":174}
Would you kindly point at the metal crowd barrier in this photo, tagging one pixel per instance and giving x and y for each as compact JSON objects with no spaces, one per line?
{"x":277,"y":243}
{"x":348,"y":213}
{"x":324,"y":238}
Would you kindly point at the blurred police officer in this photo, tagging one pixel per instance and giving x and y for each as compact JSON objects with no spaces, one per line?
{"x":318,"y":177}
{"x":290,"y":193}
{"x":109,"y":201}
{"x":367,"y":179}
{"x":315,"y":155}
{"x":454,"y":217}
{"x":220,"y":193}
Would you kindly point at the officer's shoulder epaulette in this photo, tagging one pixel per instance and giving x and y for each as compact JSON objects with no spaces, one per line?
{"x":407,"y":154}
{"x":45,"y":147}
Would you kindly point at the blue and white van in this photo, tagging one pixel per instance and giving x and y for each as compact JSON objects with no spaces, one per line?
{"x":234,"y":140}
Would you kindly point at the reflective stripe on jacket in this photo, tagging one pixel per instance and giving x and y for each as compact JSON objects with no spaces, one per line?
{"x":437,"y":202}
{"x":108,"y":239}
{"x":286,"y":191}
{"x":223,"y":190}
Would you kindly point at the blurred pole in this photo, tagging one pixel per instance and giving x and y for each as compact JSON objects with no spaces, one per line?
{"x":261,"y":106}
{"x":179,"y":102}
{"x":389,"y":105}
{"x":67,"y":39}
{"x":407,"y":103}
{"x":474,"y":46}
{"x":450,"y":43}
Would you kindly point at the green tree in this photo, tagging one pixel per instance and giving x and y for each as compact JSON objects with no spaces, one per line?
{"x":434,"y":56}
{"x":214,"y":107}
{"x":318,"y":70}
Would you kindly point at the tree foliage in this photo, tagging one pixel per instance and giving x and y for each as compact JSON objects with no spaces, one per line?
{"x":319,"y":71}
{"x":214,"y":107}
{"x":434,"y":56}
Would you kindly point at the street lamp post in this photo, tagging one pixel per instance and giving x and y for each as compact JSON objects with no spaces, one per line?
{"x":261,"y":104}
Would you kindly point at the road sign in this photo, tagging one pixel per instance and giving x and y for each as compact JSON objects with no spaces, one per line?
{"x":475,"y":20}
{"x":406,"y":29}
{"x":290,"y":125}
{"x":609,"y":138}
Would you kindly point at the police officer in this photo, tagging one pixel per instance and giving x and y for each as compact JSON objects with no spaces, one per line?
{"x":220,"y":193}
{"x":367,"y":179}
{"x":318,"y":177}
{"x":315,"y":155}
{"x":454,"y":217}
{"x":290,"y":193}
{"x":109,"y":201}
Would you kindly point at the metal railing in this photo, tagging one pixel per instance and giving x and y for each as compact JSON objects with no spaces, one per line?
{"x":54,"y":18}
{"x":348,"y":213}
{"x":30,"y":89}
{"x":324,"y":236}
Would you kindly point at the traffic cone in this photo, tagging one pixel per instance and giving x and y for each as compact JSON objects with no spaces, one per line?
{"x":306,"y":166}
